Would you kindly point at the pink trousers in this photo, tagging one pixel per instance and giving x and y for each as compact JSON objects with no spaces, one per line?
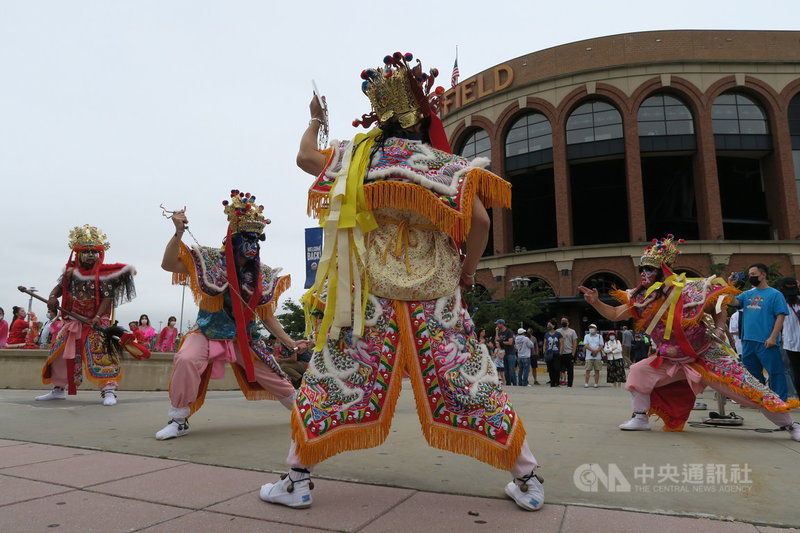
{"x":193,"y":358}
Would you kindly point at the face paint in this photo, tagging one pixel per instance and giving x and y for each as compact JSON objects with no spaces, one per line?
{"x":247,"y":245}
{"x":648,"y":276}
{"x":88,"y":257}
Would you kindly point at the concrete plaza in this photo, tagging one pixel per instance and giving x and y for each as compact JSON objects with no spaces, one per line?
{"x":75,"y":465}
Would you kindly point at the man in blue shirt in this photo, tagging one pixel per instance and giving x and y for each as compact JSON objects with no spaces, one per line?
{"x":763,"y":311}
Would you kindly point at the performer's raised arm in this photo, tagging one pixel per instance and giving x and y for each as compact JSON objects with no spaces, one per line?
{"x":308,"y":157}
{"x":476,"y":242}
{"x":171,"y":261}
{"x":614,"y":313}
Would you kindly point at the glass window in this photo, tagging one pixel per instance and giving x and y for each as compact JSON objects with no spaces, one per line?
{"x":664,"y":114}
{"x":594,"y":121}
{"x":530,"y":133}
{"x":477,"y":145}
{"x":794,"y":116}
{"x":736,"y":113}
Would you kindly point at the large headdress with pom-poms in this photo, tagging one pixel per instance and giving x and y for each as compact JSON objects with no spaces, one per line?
{"x":399,"y":91}
{"x":244,"y":216}
{"x":88,"y":237}
{"x":661,"y":252}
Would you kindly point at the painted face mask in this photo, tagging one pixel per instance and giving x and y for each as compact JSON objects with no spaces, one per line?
{"x":648,"y":276}
{"x":88,"y":257}
{"x":246,"y":245}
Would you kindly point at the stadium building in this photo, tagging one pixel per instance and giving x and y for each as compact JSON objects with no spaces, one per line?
{"x":610,"y":142}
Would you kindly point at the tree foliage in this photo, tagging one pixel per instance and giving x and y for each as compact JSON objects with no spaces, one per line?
{"x":520,"y":306}
{"x":292,"y":319}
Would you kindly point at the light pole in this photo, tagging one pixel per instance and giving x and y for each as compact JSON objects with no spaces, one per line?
{"x":30,"y":300}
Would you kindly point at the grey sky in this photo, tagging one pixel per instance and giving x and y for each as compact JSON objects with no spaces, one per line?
{"x":109,"y":108}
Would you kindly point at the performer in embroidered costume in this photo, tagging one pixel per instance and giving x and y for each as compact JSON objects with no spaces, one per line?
{"x":233,"y":289}
{"x":90,"y":289}
{"x":396,"y":206}
{"x":686,"y":319}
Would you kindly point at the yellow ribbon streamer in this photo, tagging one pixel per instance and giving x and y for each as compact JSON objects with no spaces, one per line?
{"x":341,"y":270}
{"x":676,"y":282}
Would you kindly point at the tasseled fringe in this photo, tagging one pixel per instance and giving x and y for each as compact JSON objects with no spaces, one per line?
{"x":268,"y":309}
{"x":346,"y":438}
{"x":618,"y":295}
{"x":212,"y":304}
{"x":666,"y":419}
{"x":728,"y":293}
{"x":251,"y":391}
{"x":450,"y":438}
{"x":493,"y":191}
{"x":753,"y":394}
{"x":47,"y":378}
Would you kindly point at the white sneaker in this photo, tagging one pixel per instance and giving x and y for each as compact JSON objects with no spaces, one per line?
{"x":174,"y":428}
{"x":527,"y":492}
{"x":585,"y":385}
{"x":56,"y":394}
{"x":595,"y":385}
{"x":699,"y":406}
{"x":293,"y":490}
{"x":639,"y":422}
{"x":109,"y":397}
{"x":794,"y":431}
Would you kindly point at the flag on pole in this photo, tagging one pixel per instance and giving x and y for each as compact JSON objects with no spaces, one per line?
{"x":454,"y":77}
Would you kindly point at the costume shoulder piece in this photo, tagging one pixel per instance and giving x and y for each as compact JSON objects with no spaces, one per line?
{"x":208,"y":279}
{"x":273,"y":285}
{"x":115,"y":280}
{"x":415,"y":176}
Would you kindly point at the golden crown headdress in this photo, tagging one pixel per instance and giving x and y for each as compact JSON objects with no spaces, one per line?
{"x":87,"y":236}
{"x":243,"y":213}
{"x":662,"y":251}
{"x":400,"y":91}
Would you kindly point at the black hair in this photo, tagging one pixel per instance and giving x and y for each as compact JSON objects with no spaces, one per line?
{"x":392,"y":128}
{"x":14,"y":314}
{"x":761,"y":266}
{"x":144,"y":315}
{"x":172,"y":318}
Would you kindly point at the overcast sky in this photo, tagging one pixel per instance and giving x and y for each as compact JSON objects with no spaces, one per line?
{"x":110,"y":108}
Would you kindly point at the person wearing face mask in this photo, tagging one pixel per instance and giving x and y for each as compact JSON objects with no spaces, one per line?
{"x":167,"y":336}
{"x":686,"y":319}
{"x":551,"y":346}
{"x":18,"y":328}
{"x":593,"y":344}
{"x":89,"y":288}
{"x":569,"y":347}
{"x":615,"y":370}
{"x":232,"y":288}
{"x":46,"y":333}
{"x":763,"y":311}
{"x":147,"y":331}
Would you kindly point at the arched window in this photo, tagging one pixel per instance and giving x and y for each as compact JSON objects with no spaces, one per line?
{"x":738,"y":114}
{"x":664,"y":114}
{"x":594,"y":121}
{"x":794,"y":131}
{"x":477,"y":145}
{"x":604,"y":282}
{"x":530,"y":133}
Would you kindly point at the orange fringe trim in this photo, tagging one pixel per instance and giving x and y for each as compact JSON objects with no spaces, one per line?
{"x":359,"y":437}
{"x":452,"y":439}
{"x":99,"y":382}
{"x":251,"y":391}
{"x":212,"y":304}
{"x":201,"y":391}
{"x":268,"y":309}
{"x":665,"y":418}
{"x":492,"y":190}
{"x":751,"y":394}
{"x":368,"y":436}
